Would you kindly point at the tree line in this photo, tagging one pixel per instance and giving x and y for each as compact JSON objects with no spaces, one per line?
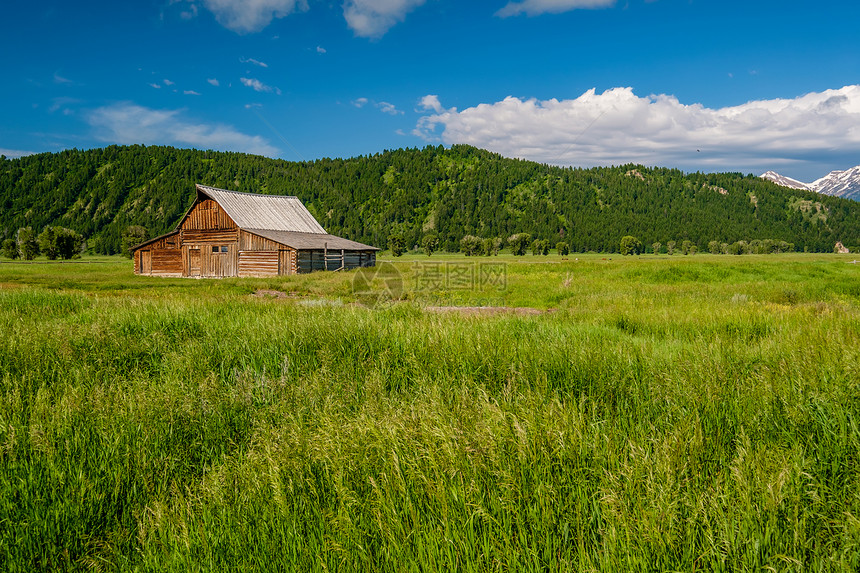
{"x":431,"y":198}
{"x":53,"y":242}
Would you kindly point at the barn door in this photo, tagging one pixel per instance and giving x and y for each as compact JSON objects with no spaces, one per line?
{"x":194,"y":262}
{"x":146,"y":262}
{"x":285,"y":262}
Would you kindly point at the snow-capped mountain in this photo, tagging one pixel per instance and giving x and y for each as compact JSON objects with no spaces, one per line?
{"x":783,"y":180}
{"x":844,"y":184}
{"x":839,"y":183}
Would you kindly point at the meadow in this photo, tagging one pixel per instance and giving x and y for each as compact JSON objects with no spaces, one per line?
{"x":651,"y":413}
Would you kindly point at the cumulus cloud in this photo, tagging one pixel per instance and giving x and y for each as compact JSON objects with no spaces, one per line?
{"x":430,"y":103}
{"x":535,"y":7}
{"x":373,"y":18}
{"x":360,"y":102}
{"x":258,"y":86}
{"x":246,"y":16}
{"x":128,"y":123}
{"x":320,"y":50}
{"x":213,"y":81}
{"x":617,"y":127}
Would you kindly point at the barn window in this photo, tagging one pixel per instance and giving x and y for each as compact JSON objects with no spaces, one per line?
{"x":219,"y":249}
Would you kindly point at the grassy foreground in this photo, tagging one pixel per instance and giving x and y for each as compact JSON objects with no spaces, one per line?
{"x":667,"y":414}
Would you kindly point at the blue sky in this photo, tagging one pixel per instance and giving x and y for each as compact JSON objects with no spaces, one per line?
{"x":699,"y":85}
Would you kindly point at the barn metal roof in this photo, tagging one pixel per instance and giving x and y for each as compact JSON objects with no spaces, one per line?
{"x":271,"y":212}
{"x":313,"y":241}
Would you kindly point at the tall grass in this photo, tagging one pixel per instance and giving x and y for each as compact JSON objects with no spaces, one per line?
{"x":668,"y":416}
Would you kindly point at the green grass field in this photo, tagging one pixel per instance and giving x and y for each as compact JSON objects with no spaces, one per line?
{"x":642,"y":414}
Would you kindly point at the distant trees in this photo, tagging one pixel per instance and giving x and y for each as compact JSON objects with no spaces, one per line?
{"x":493,"y":246}
{"x":685,"y":246}
{"x":132,"y":236}
{"x":670,"y":247}
{"x":540,"y":247}
{"x":754,"y":247}
{"x":10,"y":249}
{"x":430,"y":243}
{"x":454,"y":191}
{"x":519,"y":243}
{"x":656,"y":247}
{"x":738,"y":248}
{"x":471,"y":245}
{"x":28,"y":244}
{"x":562,"y":248}
{"x":630,"y":245}
{"x":59,"y":242}
{"x":396,"y":244}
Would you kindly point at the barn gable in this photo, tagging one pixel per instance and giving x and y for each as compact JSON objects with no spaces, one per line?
{"x":227,"y":233}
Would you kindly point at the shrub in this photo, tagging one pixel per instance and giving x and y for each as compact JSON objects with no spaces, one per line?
{"x":562,"y":248}
{"x":496,"y":246}
{"x":519,"y":243}
{"x":430,"y":243}
{"x":685,"y":247}
{"x":10,"y":249}
{"x":630,"y":245}
{"x":540,"y":247}
{"x":471,"y":245}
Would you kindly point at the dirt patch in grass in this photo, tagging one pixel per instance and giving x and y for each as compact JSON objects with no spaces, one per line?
{"x":486,"y":310}
{"x":269,"y":293}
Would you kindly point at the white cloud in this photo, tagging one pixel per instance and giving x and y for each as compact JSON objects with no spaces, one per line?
{"x":430,"y":102}
{"x":15,"y":153}
{"x":373,"y":18}
{"x":320,"y":50}
{"x":156,"y":86}
{"x":213,"y":81}
{"x":258,"y":86}
{"x":58,"y":79}
{"x":618,"y":127}
{"x":253,"y":61}
{"x":128,"y":123}
{"x":168,"y":82}
{"x":388,"y":108}
{"x":382,"y":106}
{"x":535,"y":7}
{"x":191,"y":93}
{"x":245,"y":16}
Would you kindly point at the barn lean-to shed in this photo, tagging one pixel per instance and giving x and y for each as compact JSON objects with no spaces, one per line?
{"x":228,"y":234}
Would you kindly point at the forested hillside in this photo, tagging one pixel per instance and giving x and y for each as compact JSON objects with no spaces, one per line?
{"x":411,"y":192}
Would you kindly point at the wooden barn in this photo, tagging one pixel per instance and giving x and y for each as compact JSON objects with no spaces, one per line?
{"x":229,"y":234}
